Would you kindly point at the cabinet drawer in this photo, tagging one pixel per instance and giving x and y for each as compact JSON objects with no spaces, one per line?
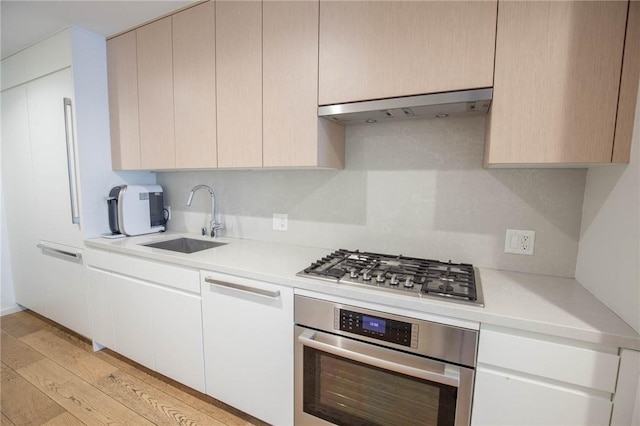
{"x":161,"y":273}
{"x":509,"y":400}
{"x":552,"y":360}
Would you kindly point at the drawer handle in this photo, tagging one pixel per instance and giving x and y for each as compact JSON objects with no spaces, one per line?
{"x":76,"y":256}
{"x":269,"y":293}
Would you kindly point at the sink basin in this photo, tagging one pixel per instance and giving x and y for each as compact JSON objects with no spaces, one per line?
{"x":185,"y":245}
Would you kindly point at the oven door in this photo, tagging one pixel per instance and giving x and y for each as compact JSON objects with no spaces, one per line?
{"x":344,"y":381}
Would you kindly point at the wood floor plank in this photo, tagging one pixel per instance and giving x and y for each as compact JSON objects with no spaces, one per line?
{"x":23,"y":403}
{"x":22,"y":323}
{"x":65,"y":419}
{"x":152,"y":403}
{"x":4,"y":420}
{"x":78,"y":361}
{"x":82,"y":400}
{"x":15,"y":353}
{"x":63,"y":367}
{"x":204,"y":403}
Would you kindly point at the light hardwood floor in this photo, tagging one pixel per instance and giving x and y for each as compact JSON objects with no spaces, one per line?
{"x":51,"y":376}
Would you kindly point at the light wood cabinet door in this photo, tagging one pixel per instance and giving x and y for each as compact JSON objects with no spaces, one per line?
{"x":557,"y":76}
{"x":155,"y":95}
{"x":372,"y":50}
{"x":293,"y":134}
{"x":194,"y":82}
{"x":122,"y":69}
{"x":629,"y":81}
{"x":239,"y":83}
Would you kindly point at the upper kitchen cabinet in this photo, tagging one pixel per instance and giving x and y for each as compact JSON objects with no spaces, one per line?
{"x":558,"y":80}
{"x":162,"y":93}
{"x":155,"y":95}
{"x":374,"y":50}
{"x":239,"y":83}
{"x":293,"y":135}
{"x":123,"y":102}
{"x":194,"y":83}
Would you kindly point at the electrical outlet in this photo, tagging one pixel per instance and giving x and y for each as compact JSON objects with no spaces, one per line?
{"x":519,"y":242}
{"x":280,"y":222}
{"x":168,"y":209}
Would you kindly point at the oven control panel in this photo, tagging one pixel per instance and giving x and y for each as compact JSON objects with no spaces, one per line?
{"x":398,"y":332}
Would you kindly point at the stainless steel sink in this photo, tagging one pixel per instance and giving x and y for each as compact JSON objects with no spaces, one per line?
{"x":185,"y":245}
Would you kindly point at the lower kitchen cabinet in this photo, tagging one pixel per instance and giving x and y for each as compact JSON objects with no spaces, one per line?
{"x":65,"y":286}
{"x":527,"y":379}
{"x":248,"y":344}
{"x":137,"y":312}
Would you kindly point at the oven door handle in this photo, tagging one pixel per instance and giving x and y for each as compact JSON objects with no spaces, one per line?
{"x":387,"y":359}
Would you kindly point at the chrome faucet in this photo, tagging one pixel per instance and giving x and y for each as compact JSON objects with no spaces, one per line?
{"x":214,"y":225}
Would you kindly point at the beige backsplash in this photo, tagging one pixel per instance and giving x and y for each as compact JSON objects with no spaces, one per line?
{"x":415,"y":187}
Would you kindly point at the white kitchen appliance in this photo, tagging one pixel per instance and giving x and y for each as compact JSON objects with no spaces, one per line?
{"x":136,"y":209}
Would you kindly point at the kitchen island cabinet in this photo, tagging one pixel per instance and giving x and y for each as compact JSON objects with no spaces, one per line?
{"x":558,"y":80}
{"x":148,"y":312}
{"x":374,"y":50}
{"x":248,"y":344}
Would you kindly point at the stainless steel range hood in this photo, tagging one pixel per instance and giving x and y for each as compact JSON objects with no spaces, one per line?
{"x":433,"y":105}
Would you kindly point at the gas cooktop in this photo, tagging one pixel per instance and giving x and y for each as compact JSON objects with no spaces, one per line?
{"x":400,"y":274}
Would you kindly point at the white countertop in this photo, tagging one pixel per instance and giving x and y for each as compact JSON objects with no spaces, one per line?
{"x":537,"y":303}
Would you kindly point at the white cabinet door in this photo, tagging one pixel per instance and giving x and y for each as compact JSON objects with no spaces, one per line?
{"x":100,"y":298}
{"x":158,"y":326}
{"x":132,"y":319}
{"x":248,"y":339}
{"x":506,"y":399}
{"x":49,"y":151}
{"x":177,"y":336}
{"x":19,"y":201}
{"x":64,"y":277}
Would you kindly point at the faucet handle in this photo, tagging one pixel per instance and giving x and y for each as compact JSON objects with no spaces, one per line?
{"x":215,"y":226}
{"x":204,"y":230}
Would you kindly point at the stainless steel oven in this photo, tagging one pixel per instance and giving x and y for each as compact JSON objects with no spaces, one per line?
{"x":356,"y":366}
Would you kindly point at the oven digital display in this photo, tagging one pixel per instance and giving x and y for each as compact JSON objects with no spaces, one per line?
{"x":374,"y":327}
{"x":374,"y":324}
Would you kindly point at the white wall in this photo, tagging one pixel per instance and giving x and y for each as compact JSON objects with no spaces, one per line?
{"x":609,"y":254}
{"x":415,"y":187}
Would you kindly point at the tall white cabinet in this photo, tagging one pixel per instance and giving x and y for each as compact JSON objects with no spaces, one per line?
{"x":56,"y":169}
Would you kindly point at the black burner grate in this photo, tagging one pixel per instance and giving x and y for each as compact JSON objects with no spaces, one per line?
{"x":423,"y":276}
